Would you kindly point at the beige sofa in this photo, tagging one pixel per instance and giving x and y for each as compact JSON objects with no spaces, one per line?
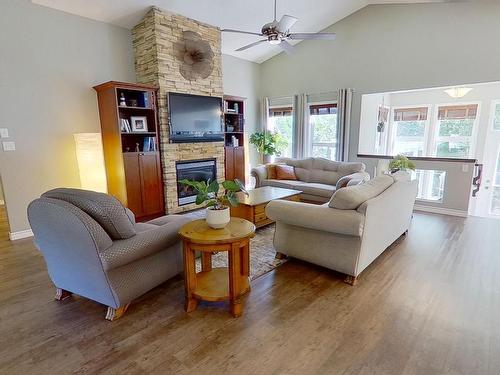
{"x":318,"y":178}
{"x":371,"y":217}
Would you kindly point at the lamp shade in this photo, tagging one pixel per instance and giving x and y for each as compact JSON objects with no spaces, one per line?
{"x":90,"y":159}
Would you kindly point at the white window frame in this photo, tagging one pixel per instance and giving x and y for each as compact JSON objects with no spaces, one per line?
{"x":391,"y":137}
{"x":309,"y":139}
{"x":494,"y":104}
{"x":432,"y":151}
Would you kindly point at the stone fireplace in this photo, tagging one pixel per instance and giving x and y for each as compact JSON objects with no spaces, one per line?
{"x":197,"y":170}
{"x":154,"y":40}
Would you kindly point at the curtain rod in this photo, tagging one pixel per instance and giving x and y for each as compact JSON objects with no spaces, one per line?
{"x":307,"y":93}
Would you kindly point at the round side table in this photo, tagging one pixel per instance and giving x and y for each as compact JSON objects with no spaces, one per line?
{"x":223,"y":283}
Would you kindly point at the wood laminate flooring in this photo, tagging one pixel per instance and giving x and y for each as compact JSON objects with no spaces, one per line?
{"x":429,"y":305}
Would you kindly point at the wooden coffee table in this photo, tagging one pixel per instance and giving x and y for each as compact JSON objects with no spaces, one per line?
{"x":253,"y":206}
{"x":222,"y":283}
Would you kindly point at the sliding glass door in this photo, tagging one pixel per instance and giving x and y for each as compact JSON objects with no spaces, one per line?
{"x":488,"y":198}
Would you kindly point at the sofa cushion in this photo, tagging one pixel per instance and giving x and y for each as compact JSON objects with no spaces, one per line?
{"x":302,"y":167}
{"x":103,"y":208}
{"x":351,"y":197}
{"x":285,"y":172}
{"x":285,"y":184}
{"x":314,"y":188}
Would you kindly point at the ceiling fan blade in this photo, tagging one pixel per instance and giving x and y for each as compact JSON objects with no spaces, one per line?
{"x":287,"y":47}
{"x":286,"y":23}
{"x":240,"y":32}
{"x":251,"y":45}
{"x":312,"y":36}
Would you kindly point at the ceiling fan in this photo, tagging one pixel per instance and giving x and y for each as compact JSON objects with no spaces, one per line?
{"x":278,"y":33}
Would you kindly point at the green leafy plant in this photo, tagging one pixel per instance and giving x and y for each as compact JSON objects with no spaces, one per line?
{"x":269,"y":143}
{"x":211,"y":192}
{"x":401,"y":162}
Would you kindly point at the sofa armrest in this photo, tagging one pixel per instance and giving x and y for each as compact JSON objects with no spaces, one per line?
{"x":352,"y":179}
{"x":322,"y":218}
{"x":260,"y":174}
{"x":141,"y":245}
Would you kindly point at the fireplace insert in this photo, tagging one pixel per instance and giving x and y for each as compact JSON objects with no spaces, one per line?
{"x":198,"y":170}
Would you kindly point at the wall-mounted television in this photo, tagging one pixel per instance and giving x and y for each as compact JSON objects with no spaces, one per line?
{"x":195,"y":118}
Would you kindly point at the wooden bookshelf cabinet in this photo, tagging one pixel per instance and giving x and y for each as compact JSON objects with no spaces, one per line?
{"x":132,"y":158}
{"x":234,"y":129}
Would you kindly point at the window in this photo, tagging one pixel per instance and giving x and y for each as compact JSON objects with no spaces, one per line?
{"x":281,"y":121}
{"x":430,"y":184}
{"x":409,"y":131}
{"x":324,"y":133}
{"x":496,"y":117}
{"x":454,"y":135}
{"x":495,"y":199}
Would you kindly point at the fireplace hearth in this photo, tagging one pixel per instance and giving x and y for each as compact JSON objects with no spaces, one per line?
{"x":198,"y":170}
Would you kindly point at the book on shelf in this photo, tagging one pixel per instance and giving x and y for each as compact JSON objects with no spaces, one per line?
{"x":125,"y":126}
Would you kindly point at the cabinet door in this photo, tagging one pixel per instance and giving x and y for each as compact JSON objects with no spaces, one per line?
{"x":229,"y":163}
{"x":133,"y":182}
{"x":151,"y":186}
{"x":239,"y":163}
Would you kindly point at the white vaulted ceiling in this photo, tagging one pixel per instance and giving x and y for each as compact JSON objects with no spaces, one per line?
{"x":313,"y":15}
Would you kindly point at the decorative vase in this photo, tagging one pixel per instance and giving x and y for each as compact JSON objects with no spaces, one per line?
{"x":267,"y":158}
{"x":218,"y":219}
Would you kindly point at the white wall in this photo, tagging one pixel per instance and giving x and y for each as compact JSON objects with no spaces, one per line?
{"x":49,"y":62}
{"x":385,"y":48}
{"x":369,"y":119}
{"x":242,"y":78}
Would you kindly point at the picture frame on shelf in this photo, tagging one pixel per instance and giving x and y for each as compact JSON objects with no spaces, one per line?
{"x":139,"y":124}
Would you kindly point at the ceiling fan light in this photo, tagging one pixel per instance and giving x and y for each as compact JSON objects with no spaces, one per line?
{"x":458,"y":92}
{"x":274,"y":39}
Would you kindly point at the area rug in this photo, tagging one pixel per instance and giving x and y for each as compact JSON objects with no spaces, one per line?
{"x":262,"y":252}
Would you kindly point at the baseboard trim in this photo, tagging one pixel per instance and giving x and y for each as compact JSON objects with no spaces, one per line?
{"x":441,"y":210}
{"x":20,"y":234}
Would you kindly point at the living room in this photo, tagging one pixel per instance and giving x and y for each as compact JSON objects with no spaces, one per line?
{"x":358,"y":141}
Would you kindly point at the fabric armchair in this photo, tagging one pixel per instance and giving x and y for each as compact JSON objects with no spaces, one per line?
{"x":77,"y":235}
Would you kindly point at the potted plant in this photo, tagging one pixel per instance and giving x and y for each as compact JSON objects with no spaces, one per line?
{"x":401,"y":163}
{"x":217,"y":210}
{"x":268,"y":144}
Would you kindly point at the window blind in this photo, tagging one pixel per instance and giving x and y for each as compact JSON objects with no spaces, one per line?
{"x":410,"y":114}
{"x":457,"y":112}
{"x":280,"y":112}
{"x":323,"y":109}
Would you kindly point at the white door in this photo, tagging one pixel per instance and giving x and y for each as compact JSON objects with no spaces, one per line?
{"x":488,"y":198}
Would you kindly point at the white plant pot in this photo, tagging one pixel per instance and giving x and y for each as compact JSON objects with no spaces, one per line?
{"x":218,"y":219}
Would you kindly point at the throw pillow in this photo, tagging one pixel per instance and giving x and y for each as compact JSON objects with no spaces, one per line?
{"x":351,"y":197}
{"x":271,"y":171}
{"x":285,"y":172}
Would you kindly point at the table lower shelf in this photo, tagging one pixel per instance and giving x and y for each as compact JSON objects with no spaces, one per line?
{"x":214,"y":285}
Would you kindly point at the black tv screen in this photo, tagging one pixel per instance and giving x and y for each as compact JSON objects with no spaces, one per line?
{"x":195,"y":118}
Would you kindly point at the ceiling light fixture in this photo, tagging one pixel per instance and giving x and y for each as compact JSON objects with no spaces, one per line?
{"x":458,"y":92}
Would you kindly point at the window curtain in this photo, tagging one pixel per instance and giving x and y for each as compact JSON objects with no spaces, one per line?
{"x":264,"y":114}
{"x":344,"y":123}
{"x":301,"y":129}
